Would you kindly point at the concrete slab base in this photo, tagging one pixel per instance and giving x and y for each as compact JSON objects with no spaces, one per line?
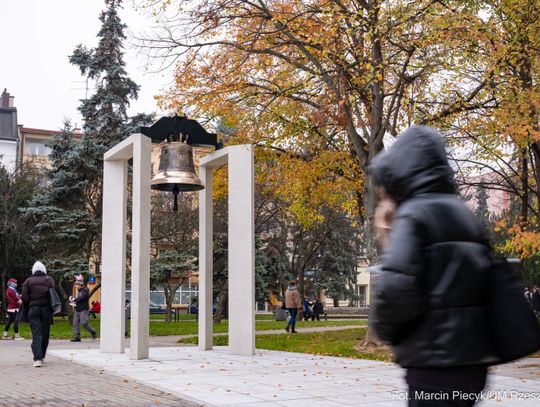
{"x":271,"y":378}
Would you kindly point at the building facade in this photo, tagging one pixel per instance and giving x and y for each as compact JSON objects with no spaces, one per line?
{"x":8,"y":131}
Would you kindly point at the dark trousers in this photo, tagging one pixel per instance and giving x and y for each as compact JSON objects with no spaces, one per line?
{"x":81,"y":318}
{"x":40,"y":317}
{"x":293,"y":312}
{"x":12,"y":317}
{"x":429,"y":398}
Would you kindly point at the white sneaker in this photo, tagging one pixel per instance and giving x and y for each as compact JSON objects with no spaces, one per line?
{"x":38,"y":363}
{"x":5,"y":336}
{"x":18,"y":337}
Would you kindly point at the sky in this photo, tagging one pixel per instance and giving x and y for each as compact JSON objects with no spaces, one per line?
{"x":37,"y":38}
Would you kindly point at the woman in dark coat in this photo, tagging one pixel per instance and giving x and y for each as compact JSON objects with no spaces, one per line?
{"x":430,"y":299}
{"x":35,"y":293}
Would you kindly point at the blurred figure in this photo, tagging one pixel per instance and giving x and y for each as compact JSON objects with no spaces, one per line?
{"x":536,"y":300}
{"x":528,"y":296}
{"x":35,"y":293}
{"x":293,"y":303}
{"x":428,"y":304}
{"x":13,"y":300}
{"x":384,"y":214}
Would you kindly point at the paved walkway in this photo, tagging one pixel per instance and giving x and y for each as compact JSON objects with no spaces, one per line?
{"x":271,"y":378}
{"x":61,"y":383}
{"x":77,"y":374}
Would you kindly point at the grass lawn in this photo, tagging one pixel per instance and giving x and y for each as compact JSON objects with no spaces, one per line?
{"x":61,"y":329}
{"x":330,"y":343}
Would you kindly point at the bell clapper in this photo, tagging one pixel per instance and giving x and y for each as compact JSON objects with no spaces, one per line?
{"x":175,"y":192}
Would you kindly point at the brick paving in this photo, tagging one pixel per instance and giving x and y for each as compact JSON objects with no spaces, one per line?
{"x":61,"y":383}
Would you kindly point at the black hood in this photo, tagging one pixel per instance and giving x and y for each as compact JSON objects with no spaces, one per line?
{"x":415,"y":164}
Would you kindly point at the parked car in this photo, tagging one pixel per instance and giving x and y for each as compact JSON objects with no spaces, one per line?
{"x":158,"y":309}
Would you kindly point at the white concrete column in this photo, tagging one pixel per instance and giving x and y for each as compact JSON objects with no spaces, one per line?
{"x":140,"y":249}
{"x":241,"y":251}
{"x":113,"y":255}
{"x":206,"y":259}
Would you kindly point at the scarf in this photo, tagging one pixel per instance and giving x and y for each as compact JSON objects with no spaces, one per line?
{"x":13,"y":286}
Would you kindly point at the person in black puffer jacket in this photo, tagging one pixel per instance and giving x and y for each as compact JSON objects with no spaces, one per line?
{"x":430,"y":298}
{"x":35,"y":293}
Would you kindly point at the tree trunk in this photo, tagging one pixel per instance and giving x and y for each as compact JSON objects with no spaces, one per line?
{"x":221,"y":304}
{"x":536,"y":165}
{"x":65,"y":299}
{"x":524,"y":187}
{"x":370,"y":202}
{"x":168,"y":303}
{"x":97,"y":287}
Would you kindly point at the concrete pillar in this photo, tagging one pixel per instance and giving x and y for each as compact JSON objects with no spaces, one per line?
{"x":113,"y":252}
{"x":113,"y":255}
{"x":140,"y":249}
{"x":241,"y":251}
{"x":206,"y":247}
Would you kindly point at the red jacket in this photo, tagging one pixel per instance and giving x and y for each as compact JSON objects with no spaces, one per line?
{"x":12,"y":299}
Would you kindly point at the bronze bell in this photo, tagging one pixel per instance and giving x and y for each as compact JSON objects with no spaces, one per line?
{"x":176,"y":172}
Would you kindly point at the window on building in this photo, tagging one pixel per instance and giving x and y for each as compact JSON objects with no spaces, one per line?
{"x":36,"y":148}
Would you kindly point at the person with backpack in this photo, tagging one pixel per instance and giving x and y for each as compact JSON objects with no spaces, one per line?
{"x":35,"y":294}
{"x":430,"y":302}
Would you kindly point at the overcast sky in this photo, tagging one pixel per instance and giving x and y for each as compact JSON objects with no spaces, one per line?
{"x":37,"y":38}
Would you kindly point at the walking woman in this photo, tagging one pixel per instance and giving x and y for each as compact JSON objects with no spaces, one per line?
{"x":13,"y":299}
{"x":293,"y":303}
{"x":35,"y":293}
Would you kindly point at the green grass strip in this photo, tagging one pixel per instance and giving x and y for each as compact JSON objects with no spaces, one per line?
{"x":343,"y":343}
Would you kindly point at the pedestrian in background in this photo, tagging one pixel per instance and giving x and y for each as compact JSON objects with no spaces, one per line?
{"x":318,"y":309}
{"x":293,"y":303}
{"x":13,"y":299}
{"x":35,"y":294}
{"x":82,"y":308}
{"x":308,"y":310}
{"x":430,"y":301}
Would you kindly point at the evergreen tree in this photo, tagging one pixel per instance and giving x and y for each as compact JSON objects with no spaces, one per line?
{"x":64,"y":230}
{"x":68,"y":214}
{"x":105,"y":113}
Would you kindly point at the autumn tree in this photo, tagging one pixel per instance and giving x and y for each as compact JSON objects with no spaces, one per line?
{"x":311,"y":76}
{"x":502,"y":136}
